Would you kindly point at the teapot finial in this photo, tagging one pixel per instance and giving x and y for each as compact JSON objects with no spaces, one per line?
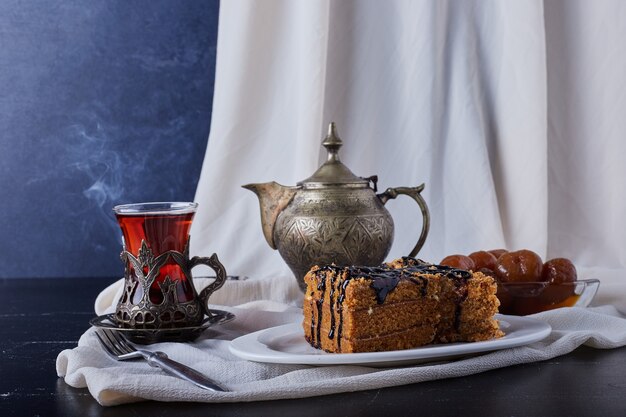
{"x":332,"y":142}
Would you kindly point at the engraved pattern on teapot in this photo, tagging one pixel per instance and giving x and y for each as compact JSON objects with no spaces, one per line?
{"x":351,"y":231}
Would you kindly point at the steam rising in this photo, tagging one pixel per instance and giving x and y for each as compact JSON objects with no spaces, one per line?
{"x":96,"y":160}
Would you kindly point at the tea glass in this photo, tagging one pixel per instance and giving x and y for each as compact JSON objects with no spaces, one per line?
{"x":158,"y":286}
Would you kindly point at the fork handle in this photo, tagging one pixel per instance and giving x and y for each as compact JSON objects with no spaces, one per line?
{"x":160,"y":360}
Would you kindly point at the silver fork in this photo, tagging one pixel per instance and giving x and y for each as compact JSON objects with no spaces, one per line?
{"x":120,"y":349}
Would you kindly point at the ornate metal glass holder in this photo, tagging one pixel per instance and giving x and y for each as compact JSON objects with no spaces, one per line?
{"x":144,"y":306}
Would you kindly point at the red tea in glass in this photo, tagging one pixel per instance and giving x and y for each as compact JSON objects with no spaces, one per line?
{"x":159,"y":291}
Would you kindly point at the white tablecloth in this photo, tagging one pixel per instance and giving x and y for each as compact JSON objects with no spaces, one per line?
{"x":112,"y":382}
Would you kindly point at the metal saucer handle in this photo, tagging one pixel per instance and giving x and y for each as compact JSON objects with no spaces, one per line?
{"x":415,"y":194}
{"x":220,"y":277}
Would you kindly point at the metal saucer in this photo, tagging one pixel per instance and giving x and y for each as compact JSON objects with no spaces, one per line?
{"x":147,"y":336}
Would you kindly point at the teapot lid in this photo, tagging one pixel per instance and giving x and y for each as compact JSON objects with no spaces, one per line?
{"x":333,"y":171}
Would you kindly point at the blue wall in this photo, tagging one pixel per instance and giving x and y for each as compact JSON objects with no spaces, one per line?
{"x":101,"y":103}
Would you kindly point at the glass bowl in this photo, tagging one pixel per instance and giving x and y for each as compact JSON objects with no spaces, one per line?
{"x":522,"y":298}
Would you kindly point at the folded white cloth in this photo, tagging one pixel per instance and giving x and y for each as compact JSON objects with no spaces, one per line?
{"x":112,"y":382}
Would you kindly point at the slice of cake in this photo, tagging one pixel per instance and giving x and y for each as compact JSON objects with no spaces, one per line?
{"x":400,"y":305}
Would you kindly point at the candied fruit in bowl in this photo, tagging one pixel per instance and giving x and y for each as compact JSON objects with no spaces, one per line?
{"x":559,"y":270}
{"x":527,"y":285}
{"x":519,"y":266}
{"x":484,"y":260}
{"x":458,"y":261}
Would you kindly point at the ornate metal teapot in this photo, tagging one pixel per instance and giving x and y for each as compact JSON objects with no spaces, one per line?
{"x":333,"y":216}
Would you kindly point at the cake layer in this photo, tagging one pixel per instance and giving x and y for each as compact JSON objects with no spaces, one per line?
{"x":406,"y":339}
{"x":380,"y":320}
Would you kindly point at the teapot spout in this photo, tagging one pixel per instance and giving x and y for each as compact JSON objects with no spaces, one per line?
{"x":273,"y":198}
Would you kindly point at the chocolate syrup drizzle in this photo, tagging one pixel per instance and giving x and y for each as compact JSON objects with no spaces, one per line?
{"x":383,"y":280}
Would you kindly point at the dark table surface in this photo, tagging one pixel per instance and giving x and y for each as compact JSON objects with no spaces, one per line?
{"x":41,"y":317}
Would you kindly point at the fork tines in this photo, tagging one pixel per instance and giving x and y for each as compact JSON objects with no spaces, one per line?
{"x":114,"y":343}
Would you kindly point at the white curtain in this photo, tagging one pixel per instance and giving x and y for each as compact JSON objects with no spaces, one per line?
{"x":511,"y":113}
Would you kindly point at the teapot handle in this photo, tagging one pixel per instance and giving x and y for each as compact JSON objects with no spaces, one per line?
{"x":414,"y":193}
